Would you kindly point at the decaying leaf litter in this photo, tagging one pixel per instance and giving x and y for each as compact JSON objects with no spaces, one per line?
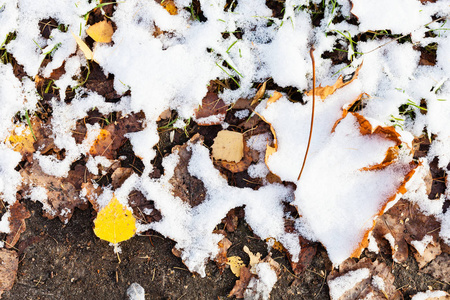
{"x":217,"y":135}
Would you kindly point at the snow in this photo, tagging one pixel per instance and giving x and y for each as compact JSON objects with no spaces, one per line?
{"x":429,"y":295}
{"x":135,"y":292}
{"x":337,"y":199}
{"x":260,"y":287}
{"x":342,"y":284}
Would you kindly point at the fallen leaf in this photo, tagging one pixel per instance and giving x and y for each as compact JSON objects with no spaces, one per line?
{"x":241,"y":284}
{"x":229,"y":146}
{"x":328,"y":90}
{"x":102,"y":145}
{"x":275,"y":97}
{"x":439,"y":268}
{"x":21,"y":140}
{"x":119,"y":176}
{"x":221,"y":258}
{"x":254,"y":259}
{"x":212,"y":111}
{"x":431,"y":295}
{"x":259,"y":93}
{"x":236,"y":264}
{"x":404,"y":224}
{"x":62,"y":194}
{"x":242,"y":165}
{"x":101,"y":32}
{"x":362,"y":280}
{"x":17,"y":223}
{"x":115,"y":223}
{"x":84,"y":48}
{"x":170,"y":7}
{"x":9,"y":263}
{"x":188,"y":188}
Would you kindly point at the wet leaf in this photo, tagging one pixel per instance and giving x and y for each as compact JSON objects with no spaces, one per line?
{"x":229,"y":146}
{"x":115,"y":223}
{"x":8,"y":269}
{"x":101,"y":32}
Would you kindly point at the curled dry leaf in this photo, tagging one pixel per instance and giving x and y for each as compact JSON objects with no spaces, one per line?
{"x":115,"y":223}
{"x":17,"y":223}
{"x":259,"y":93}
{"x":8,"y":269}
{"x":101,"y":32}
{"x":229,"y":146}
{"x":328,"y":90}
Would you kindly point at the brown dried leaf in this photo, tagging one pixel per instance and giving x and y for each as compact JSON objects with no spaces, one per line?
{"x":221,"y":258}
{"x":188,"y":188}
{"x":9,"y":263}
{"x":379,"y":284}
{"x":119,"y":176}
{"x":62,"y":193}
{"x":259,"y":93}
{"x":430,"y":253}
{"x":439,"y":268}
{"x":403,"y":224}
{"x":328,"y":90}
{"x":231,"y":220}
{"x":229,"y":146}
{"x":102,"y":145}
{"x":17,"y":223}
{"x":212,"y":111}
{"x":241,"y":284}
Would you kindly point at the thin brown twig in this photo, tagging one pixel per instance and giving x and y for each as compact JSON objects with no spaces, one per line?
{"x":311,"y":53}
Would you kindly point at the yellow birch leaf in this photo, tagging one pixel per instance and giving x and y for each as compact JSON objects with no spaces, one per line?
{"x":87,"y":52}
{"x":115,"y":223}
{"x":21,"y":140}
{"x":235,"y":263}
{"x":229,"y":146}
{"x":169,"y":5}
{"x":101,"y":32}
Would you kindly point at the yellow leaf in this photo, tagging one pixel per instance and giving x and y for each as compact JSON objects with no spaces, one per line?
{"x":87,"y":52}
{"x":235,"y":263}
{"x":169,"y":5}
{"x":101,"y":32}
{"x":115,"y":223}
{"x":21,"y":140}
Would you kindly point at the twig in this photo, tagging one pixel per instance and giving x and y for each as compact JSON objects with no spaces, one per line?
{"x":311,"y":53}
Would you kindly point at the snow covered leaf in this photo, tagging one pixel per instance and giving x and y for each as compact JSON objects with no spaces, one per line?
{"x":405,"y":224}
{"x":212,"y":111}
{"x":8,"y":269}
{"x":21,"y":140}
{"x":324,"y":92}
{"x":354,"y":160}
{"x":115,"y":223}
{"x":229,"y":146}
{"x":431,"y":295}
{"x":84,"y":48}
{"x":101,"y":32}
{"x":362,"y":280}
{"x":236,"y":264}
{"x":17,"y":223}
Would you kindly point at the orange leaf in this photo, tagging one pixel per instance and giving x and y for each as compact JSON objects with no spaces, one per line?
{"x":328,"y":90}
{"x":170,"y":6}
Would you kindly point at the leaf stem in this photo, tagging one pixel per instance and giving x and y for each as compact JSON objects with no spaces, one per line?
{"x":311,"y":53}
